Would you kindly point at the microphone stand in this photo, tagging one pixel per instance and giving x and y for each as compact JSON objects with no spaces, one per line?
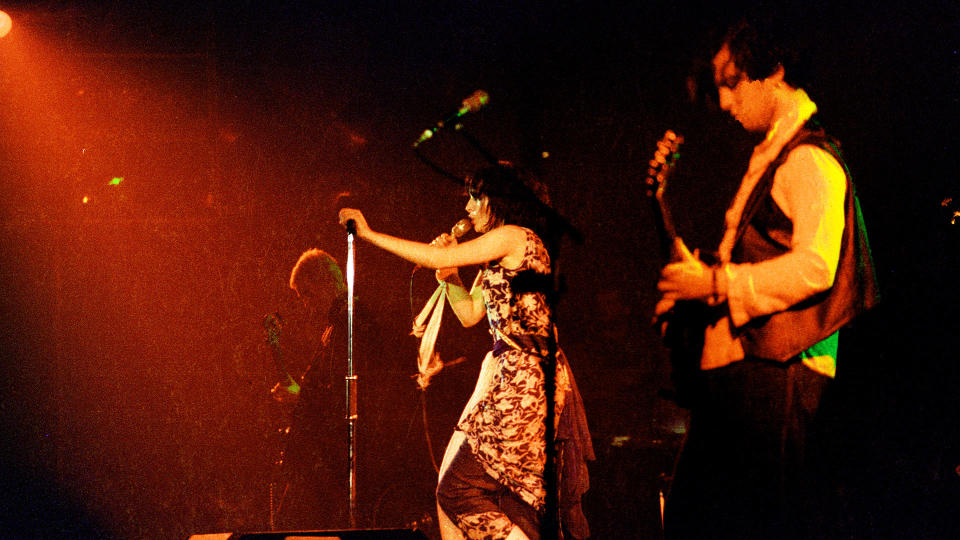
{"x":351,"y":381}
{"x":479,"y":147}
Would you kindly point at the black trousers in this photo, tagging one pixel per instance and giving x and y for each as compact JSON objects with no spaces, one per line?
{"x":466,"y":488}
{"x":746,"y":471}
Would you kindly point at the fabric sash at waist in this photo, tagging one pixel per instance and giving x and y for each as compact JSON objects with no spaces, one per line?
{"x":529,"y":343}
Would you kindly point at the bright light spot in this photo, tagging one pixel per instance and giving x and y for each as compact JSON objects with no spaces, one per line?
{"x":620,"y":440}
{"x":85,"y":199}
{"x":116,"y":181}
{"x":357,"y":139}
{"x":5,"y":24}
{"x":545,"y":154}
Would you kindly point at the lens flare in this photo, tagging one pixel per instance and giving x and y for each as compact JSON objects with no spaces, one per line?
{"x":5,"y":24}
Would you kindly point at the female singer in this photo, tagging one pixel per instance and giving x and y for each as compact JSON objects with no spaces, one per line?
{"x":492,"y":485}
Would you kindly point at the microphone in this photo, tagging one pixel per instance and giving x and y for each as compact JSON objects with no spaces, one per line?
{"x":459,"y":229}
{"x":471,"y":104}
{"x":351,"y":227}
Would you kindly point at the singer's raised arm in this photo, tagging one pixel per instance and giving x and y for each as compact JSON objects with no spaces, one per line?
{"x":505,"y":244}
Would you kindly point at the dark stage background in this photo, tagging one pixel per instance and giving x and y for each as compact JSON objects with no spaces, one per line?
{"x":134,"y":400}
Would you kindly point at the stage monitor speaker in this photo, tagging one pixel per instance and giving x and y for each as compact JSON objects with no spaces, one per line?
{"x":343,"y":534}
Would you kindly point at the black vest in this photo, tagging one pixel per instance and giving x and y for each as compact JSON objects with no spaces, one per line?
{"x":764,"y":232}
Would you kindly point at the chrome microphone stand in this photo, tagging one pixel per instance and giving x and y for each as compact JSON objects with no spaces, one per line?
{"x":351,"y":380}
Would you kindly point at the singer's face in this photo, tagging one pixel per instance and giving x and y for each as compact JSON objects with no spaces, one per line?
{"x":479,"y":212}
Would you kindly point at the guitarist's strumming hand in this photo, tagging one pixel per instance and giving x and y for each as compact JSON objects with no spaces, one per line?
{"x":690,"y":279}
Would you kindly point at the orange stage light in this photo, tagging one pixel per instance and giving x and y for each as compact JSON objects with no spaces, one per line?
{"x":5,"y":24}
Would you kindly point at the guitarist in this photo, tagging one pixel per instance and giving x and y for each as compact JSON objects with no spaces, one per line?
{"x":313,"y":494}
{"x":794,"y":268}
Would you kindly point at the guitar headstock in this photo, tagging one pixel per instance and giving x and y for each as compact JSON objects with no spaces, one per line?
{"x":951,"y":210}
{"x":663,"y":162}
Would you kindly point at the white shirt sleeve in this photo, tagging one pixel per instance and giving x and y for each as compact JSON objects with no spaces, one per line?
{"x":810,"y":189}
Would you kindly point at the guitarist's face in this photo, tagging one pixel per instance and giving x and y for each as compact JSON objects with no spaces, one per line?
{"x":750,"y":102}
{"x":316,"y":299}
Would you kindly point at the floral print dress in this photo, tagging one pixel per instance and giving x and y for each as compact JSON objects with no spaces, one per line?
{"x":505,"y":429}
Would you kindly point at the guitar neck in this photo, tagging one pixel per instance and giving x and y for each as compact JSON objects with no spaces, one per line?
{"x":669,"y":239}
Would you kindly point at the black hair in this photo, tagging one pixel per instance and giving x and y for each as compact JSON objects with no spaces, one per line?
{"x":761,"y":44}
{"x":516,"y":197}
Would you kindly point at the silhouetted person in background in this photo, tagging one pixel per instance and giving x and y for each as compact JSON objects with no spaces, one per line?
{"x":312,"y":493}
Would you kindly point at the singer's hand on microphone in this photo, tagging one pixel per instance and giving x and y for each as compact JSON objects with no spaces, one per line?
{"x":444,"y":240}
{"x":446,"y":274}
{"x":360,"y":223}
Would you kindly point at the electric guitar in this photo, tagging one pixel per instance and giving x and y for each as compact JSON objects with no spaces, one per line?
{"x":287,"y":389}
{"x":683,"y":325}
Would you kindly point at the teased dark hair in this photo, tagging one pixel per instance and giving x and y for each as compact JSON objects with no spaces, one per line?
{"x":516,"y":197}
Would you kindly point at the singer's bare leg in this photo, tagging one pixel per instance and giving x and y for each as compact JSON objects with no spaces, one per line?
{"x":448,"y":529}
{"x":517,"y":534}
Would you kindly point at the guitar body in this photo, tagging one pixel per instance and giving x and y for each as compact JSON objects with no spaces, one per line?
{"x":683,"y":328}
